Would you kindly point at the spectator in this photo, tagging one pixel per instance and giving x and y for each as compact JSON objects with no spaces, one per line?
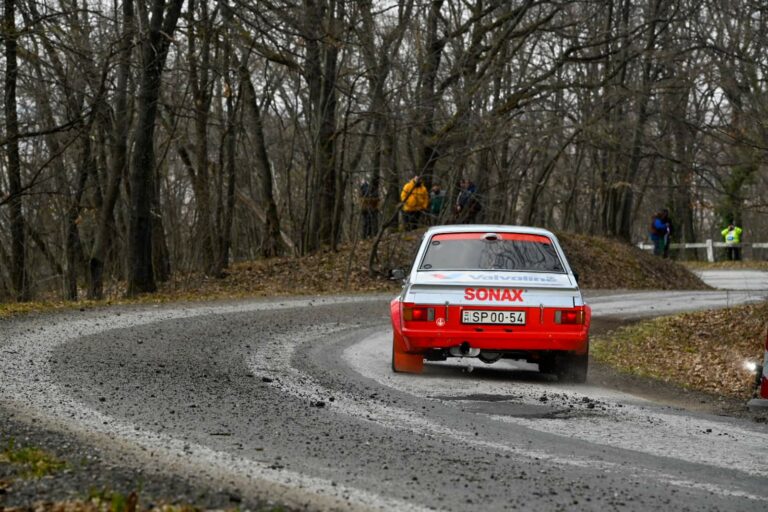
{"x":369,"y":208}
{"x":436,"y":202}
{"x":661,"y":231}
{"x":732,"y":235}
{"x":467,"y":203}
{"x":415,"y":199}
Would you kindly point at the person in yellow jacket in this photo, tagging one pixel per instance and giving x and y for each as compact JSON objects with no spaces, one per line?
{"x":732,"y":235}
{"x":415,"y":198}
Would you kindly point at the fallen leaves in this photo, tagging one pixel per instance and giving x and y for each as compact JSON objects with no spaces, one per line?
{"x":605,"y":263}
{"x":705,"y":351}
{"x":97,"y":505}
{"x":602,"y":263}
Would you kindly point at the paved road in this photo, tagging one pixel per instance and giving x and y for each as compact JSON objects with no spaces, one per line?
{"x":754,"y":280}
{"x":295,"y":400}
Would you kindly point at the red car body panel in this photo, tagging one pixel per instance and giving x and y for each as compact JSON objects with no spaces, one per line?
{"x":540,"y":333}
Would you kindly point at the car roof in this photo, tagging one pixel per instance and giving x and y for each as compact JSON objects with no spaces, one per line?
{"x":488,"y":228}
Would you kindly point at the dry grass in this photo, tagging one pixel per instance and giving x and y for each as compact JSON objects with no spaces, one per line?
{"x":727,"y":265}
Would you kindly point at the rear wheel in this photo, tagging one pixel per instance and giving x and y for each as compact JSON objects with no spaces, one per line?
{"x":489,"y":357}
{"x":547,"y":363}
{"x":572,"y":368}
{"x":403,"y":362}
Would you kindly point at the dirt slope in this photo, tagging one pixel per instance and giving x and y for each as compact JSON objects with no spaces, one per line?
{"x":600,"y":262}
{"x":605,"y":263}
{"x":704,"y":351}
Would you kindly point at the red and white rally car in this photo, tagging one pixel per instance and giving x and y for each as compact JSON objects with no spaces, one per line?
{"x":491,"y":292}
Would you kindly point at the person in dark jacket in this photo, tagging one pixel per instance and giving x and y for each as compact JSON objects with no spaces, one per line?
{"x":467,"y":203}
{"x":369,"y":208}
{"x":661,"y":231}
{"x":436,"y":202}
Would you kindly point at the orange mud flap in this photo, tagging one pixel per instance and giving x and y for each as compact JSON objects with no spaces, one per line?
{"x":403,"y":362}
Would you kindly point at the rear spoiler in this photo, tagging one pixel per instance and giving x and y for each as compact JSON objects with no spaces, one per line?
{"x":481,"y":294}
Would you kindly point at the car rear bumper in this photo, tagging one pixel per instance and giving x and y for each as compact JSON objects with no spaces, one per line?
{"x":417,"y":342}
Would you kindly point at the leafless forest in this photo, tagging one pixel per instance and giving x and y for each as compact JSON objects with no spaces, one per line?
{"x":146,"y":137}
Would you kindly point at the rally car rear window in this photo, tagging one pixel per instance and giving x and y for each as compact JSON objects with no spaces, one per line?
{"x":484,"y":251}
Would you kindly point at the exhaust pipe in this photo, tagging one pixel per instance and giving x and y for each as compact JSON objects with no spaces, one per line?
{"x":464,"y":350}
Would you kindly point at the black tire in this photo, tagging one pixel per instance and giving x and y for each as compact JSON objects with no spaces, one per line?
{"x":489,"y":360}
{"x":547,"y":364}
{"x":572,"y":368}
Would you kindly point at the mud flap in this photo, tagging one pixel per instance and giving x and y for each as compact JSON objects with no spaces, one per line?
{"x":403,"y":362}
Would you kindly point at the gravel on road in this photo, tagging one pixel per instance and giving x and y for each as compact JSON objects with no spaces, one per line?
{"x":233,"y":404}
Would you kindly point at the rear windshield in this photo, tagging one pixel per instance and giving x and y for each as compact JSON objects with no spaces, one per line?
{"x":480,"y":251}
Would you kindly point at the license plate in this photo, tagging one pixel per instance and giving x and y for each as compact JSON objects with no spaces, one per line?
{"x":473,"y":316}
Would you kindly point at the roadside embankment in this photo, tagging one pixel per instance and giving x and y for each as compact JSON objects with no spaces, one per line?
{"x":601,"y":263}
{"x":704,"y":351}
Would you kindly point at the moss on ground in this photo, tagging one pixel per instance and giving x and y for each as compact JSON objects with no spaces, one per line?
{"x":29,"y":462}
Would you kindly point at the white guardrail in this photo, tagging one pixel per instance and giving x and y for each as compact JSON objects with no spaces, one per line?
{"x":709,"y":245}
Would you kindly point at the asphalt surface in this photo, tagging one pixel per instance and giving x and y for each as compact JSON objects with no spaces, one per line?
{"x":735,"y":279}
{"x":293,"y":401}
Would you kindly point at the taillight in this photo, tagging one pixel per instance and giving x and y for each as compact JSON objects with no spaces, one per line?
{"x":569,"y":316}
{"x":418,"y":314}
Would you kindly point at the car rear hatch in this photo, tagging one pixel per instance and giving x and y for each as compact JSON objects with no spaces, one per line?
{"x":499,"y":289}
{"x":536,"y":308}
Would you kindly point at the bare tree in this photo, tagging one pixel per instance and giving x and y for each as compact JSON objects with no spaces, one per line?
{"x":118,"y":137}
{"x":154,"y":49}
{"x":271,"y":245}
{"x":19,"y":275}
{"x":576,"y":115}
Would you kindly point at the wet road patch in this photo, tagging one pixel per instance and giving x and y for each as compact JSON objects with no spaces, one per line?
{"x":499,"y":405}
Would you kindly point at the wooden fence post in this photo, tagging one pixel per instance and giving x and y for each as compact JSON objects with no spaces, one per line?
{"x":710,"y":251}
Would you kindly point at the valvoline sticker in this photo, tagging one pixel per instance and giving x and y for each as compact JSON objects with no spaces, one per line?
{"x":496,"y":294}
{"x":447,"y":276}
{"x":493,"y":277}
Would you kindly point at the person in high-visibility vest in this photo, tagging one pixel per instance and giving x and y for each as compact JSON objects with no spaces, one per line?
{"x":732,"y":235}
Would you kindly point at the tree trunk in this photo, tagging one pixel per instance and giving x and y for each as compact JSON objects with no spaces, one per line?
{"x":201,"y":96}
{"x":379,"y":66}
{"x":230,"y":146}
{"x":542,"y":178}
{"x":320,"y":72}
{"x":154,"y":51}
{"x":271,"y":244}
{"x":622,"y":192}
{"x":74,"y":249}
{"x":6,"y":286}
{"x":427,"y":96}
{"x":119,"y":140}
{"x":52,"y":261}
{"x":19,"y":275}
